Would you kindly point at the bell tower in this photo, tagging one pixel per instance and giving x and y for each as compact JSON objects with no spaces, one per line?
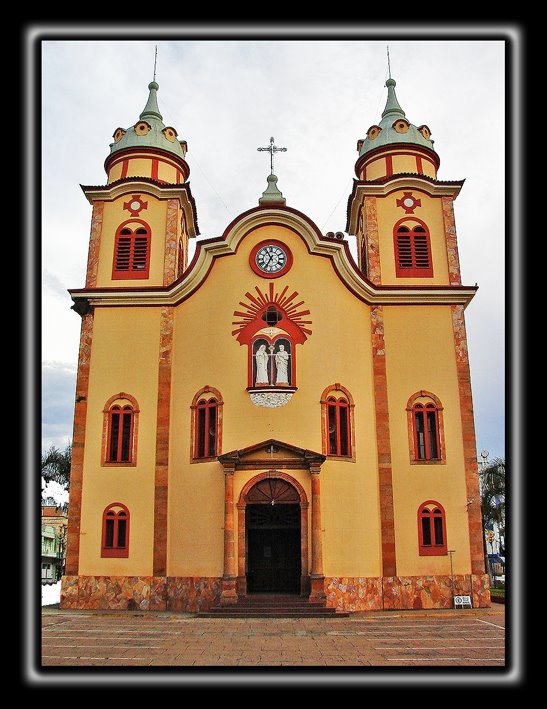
{"x":401,"y":214}
{"x":145,"y":215}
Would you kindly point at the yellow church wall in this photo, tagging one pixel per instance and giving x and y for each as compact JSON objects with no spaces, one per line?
{"x":376,"y":168}
{"x":429,"y":212}
{"x":167,"y":172}
{"x":428,"y":168}
{"x":337,"y":351}
{"x":124,"y":358}
{"x":115,"y":172}
{"x":420,"y":355}
{"x":114,"y":215}
{"x":403,"y":163}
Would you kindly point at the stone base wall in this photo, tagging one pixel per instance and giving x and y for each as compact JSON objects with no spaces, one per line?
{"x":405,"y":592}
{"x":154,"y":593}
{"x":193,"y":594}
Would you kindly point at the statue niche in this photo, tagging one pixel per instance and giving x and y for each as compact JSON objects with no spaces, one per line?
{"x":272,"y":364}
{"x":271,"y":328}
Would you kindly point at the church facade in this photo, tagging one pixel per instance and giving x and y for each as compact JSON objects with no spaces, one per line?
{"x":273,"y":417}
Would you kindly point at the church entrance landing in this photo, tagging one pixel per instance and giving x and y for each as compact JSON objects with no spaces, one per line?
{"x":274,"y":547}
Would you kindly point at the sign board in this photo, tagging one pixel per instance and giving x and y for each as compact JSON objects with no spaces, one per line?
{"x":462,"y":601}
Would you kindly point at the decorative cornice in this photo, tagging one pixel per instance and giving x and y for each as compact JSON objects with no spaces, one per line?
{"x":291,"y":456}
{"x":147,"y":185}
{"x":391,"y":183}
{"x":317,"y":244}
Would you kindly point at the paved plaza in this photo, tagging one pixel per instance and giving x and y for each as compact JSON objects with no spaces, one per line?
{"x":440,"y":638}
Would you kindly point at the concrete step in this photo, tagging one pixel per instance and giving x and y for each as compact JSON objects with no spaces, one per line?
{"x":273,"y":606}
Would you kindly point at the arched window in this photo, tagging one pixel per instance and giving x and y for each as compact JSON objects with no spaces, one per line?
{"x":120,"y":430}
{"x":337,"y":422}
{"x":425,"y":423}
{"x":431,"y":529}
{"x":115,"y":534}
{"x":132,"y":251}
{"x":412,"y":250}
{"x":206,"y":424}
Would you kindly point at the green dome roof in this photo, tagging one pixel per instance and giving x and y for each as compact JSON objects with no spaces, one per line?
{"x":388,"y":135}
{"x":155,"y":137}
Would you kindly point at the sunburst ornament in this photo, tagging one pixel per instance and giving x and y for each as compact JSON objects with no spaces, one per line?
{"x":272,"y":311}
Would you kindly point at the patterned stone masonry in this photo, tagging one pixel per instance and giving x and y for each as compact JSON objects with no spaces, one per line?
{"x":171,"y":242}
{"x":193,"y":594}
{"x":190,"y":594}
{"x":94,"y":244}
{"x":404,"y":593}
{"x":469,"y":441}
{"x":383,"y":441}
{"x":451,"y":242}
{"x":354,"y":594}
{"x":162,"y":441}
{"x":78,"y":439}
{"x":373,"y":243}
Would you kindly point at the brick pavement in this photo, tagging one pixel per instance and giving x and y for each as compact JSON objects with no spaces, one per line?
{"x":441,"y":638}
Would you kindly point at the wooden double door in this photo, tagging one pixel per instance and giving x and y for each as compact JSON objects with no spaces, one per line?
{"x":273,"y":548}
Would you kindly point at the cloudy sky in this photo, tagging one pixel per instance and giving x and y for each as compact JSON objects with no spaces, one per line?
{"x":226,"y":97}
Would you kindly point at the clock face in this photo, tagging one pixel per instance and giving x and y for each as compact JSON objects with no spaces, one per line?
{"x":271,"y":258}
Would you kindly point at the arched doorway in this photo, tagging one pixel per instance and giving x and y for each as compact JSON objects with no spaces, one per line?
{"x":273,"y":518}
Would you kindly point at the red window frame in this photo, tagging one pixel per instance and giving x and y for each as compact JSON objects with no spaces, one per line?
{"x":338,"y":410}
{"x":132,"y":251}
{"x":119,"y":447}
{"x":430,"y":447}
{"x":432,"y":529}
{"x":113,"y":543}
{"x":412,"y":250}
{"x":206,"y":442}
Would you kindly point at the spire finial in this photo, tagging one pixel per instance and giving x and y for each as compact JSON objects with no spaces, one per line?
{"x":388,"y":64}
{"x":155,"y":60}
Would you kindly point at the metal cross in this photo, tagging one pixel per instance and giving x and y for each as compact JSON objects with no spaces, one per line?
{"x":273,"y":149}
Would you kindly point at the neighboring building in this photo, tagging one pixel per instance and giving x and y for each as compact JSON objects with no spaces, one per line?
{"x":273,"y":417}
{"x":54,"y":528}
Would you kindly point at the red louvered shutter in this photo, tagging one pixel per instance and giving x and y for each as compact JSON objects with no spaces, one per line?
{"x":413,"y":253}
{"x":131,"y":254}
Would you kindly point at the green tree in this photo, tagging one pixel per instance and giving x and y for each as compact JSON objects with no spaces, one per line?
{"x":56,"y":465}
{"x":492,"y":489}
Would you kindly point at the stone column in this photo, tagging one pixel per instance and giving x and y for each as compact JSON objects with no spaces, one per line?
{"x":317,"y":577}
{"x":228,"y":595}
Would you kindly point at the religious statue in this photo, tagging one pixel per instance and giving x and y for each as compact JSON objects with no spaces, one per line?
{"x":261,"y":358}
{"x":282,"y":367}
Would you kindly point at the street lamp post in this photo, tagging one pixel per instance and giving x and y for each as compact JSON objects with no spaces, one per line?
{"x":451,"y":551}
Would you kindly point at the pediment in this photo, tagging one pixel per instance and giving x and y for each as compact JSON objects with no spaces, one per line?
{"x":271,"y":454}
